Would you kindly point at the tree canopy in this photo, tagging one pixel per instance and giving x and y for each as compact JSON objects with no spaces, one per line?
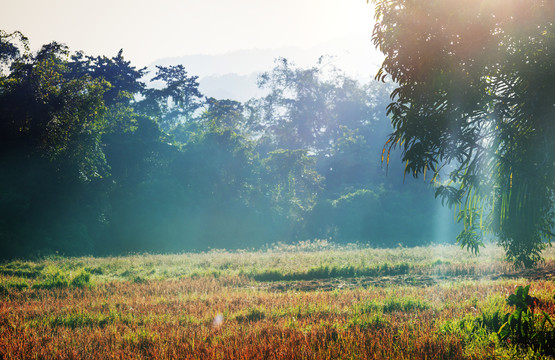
{"x":475,"y":101}
{"x":96,"y":160}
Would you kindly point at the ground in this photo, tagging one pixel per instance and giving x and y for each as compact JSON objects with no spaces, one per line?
{"x":309,"y":301}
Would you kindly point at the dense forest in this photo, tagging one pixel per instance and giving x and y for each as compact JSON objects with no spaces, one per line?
{"x":96,"y":159}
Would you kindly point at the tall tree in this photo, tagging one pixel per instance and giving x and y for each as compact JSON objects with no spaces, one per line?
{"x":51,"y":154}
{"x":306,"y":107}
{"x":124,"y":78}
{"x":223,"y":113}
{"x":12,"y":46}
{"x":476,"y":90}
{"x":47,"y":112}
{"x":177,"y":101}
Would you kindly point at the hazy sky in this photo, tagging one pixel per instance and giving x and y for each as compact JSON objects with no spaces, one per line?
{"x":148,"y":30}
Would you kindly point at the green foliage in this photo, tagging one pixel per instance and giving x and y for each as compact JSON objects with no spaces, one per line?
{"x":52,"y":156}
{"x":327,"y":272}
{"x":17,"y":284}
{"x":291,"y":180}
{"x":175,"y":103}
{"x":251,"y":314}
{"x":124,"y":79}
{"x":475,"y":88}
{"x":383,"y":216}
{"x":223,"y":114}
{"x":141,"y":340}
{"x":309,"y":108}
{"x":81,"y":279}
{"x":10,"y":48}
{"x":21,"y":269}
{"x":94,"y":161}
{"x":522,"y":327}
{"x":50,"y":111}
{"x":372,"y":321}
{"x":55,"y":278}
{"x":405,"y":305}
{"x":525,"y":328}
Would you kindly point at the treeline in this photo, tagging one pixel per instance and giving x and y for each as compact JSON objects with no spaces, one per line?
{"x":93,"y":160}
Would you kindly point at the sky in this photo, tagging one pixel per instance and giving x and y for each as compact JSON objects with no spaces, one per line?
{"x":148,"y":30}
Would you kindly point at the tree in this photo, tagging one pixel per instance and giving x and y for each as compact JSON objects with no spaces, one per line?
{"x":351,"y":163}
{"x":291,"y":180}
{"x":51,"y":153}
{"x":11,"y":45}
{"x":175,"y":103}
{"x":474,"y":99}
{"x":306,"y":107}
{"x":223,"y":113}
{"x":62,"y":118}
{"x":124,"y":79}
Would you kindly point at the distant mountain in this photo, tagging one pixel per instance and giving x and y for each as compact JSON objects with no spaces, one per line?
{"x":231,"y":86}
{"x":233,"y":75}
{"x":241,"y":62}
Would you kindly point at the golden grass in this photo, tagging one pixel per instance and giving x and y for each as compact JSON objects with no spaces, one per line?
{"x":232,"y":316}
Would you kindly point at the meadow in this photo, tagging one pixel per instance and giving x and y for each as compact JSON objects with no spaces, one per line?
{"x":313,"y":300}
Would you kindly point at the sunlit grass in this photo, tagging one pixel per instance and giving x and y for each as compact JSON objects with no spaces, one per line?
{"x":211,"y":305}
{"x":305,"y":261}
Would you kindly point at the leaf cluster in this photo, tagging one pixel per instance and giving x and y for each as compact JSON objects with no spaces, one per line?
{"x":474,"y":104}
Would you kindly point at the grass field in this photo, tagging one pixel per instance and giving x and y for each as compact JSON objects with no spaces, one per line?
{"x":309,"y":301}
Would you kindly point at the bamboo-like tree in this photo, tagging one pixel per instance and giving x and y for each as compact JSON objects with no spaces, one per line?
{"x":475,"y":99}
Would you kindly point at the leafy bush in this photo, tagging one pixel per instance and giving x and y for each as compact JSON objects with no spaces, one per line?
{"x":521,"y":327}
{"x":394,"y":304}
{"x":81,"y":279}
{"x":525,"y":328}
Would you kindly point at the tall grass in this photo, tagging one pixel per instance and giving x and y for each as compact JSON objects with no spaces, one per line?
{"x":256,"y":305}
{"x":304,"y":261}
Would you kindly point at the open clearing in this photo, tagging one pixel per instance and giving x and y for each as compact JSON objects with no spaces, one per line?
{"x":309,"y":301}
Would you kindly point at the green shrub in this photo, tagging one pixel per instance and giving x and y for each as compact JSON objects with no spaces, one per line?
{"x":439,"y":262}
{"x":81,"y":279}
{"x":269,"y":275}
{"x":522,"y":327}
{"x":370,"y":307}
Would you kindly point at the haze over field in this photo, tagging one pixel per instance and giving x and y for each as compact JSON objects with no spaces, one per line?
{"x":228,"y":51}
{"x":206,"y":59}
{"x":234,"y":74}
{"x":249,"y":179}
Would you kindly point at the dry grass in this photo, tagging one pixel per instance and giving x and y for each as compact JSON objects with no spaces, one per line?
{"x":191,"y":313}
